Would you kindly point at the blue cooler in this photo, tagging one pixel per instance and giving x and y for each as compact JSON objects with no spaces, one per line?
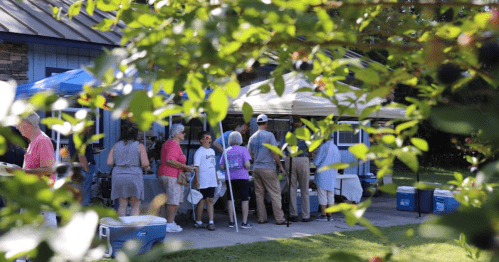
{"x":149,"y":230}
{"x":314,"y":201}
{"x":366,"y":182}
{"x":444,"y":202}
{"x":407,"y":198}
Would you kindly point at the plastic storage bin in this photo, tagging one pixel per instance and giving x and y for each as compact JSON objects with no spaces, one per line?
{"x":444,"y":202}
{"x":149,"y":230}
{"x":407,"y":198}
{"x":314,"y":201}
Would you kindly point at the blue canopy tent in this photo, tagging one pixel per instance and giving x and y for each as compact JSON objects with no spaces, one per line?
{"x":66,"y":83}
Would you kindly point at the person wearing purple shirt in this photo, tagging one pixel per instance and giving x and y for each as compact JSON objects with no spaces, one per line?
{"x":238,"y":159}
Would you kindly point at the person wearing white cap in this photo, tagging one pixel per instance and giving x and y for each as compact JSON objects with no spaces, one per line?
{"x":264,"y":172}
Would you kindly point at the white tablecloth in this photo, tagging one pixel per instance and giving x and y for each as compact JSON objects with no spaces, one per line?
{"x":351,"y":188}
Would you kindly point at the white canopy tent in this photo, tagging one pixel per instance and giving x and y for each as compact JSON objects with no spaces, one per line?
{"x":301,"y":103}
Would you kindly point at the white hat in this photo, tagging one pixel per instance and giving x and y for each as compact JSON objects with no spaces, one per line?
{"x":262,"y":118}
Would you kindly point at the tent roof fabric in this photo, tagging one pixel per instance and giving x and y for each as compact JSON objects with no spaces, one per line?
{"x":301,"y":103}
{"x":34,"y":17}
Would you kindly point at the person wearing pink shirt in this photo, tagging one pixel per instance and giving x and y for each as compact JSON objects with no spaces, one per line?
{"x":39,"y":158}
{"x":173,"y":161}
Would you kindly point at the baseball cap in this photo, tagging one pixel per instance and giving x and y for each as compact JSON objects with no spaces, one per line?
{"x":262,"y":118}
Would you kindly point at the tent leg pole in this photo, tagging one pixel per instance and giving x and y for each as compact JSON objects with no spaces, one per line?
{"x":289,"y":187}
{"x":228,"y":178}
{"x":419,"y":195}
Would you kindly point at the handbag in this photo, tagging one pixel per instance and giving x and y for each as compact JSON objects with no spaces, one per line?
{"x":183,"y":178}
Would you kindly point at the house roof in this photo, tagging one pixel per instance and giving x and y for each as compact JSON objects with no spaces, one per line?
{"x":34,"y":18}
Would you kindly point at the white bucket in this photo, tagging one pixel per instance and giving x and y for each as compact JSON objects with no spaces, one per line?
{"x":194,"y":196}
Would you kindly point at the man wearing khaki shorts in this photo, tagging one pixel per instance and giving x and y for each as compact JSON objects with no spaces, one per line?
{"x":264,"y":173}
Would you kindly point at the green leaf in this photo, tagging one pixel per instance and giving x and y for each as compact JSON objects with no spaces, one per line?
{"x":379,"y":92}
{"x":409,"y":159}
{"x":458,"y":177}
{"x":217,"y":108}
{"x":231,"y":48}
{"x":96,"y":137}
{"x":421,"y":144}
{"x":74,"y":9}
{"x":140,"y":105}
{"x":279,"y":85}
{"x":309,"y":124}
{"x":247,"y":112}
{"x":107,"y":61}
{"x":359,"y":150}
{"x":315,"y":144}
{"x":303,"y":133}
{"x":364,"y":222}
{"x":233,"y":88}
{"x":405,"y":125}
{"x":108,"y":5}
{"x":3,"y":145}
{"x":368,"y":111}
{"x":367,"y":75}
{"x":339,"y":208}
{"x":388,"y":188}
{"x":291,"y":139}
{"x":105,"y":24}
{"x":50,"y":121}
{"x":482,"y":19}
{"x":90,"y":6}
{"x":274,"y":149}
{"x":388,"y":139}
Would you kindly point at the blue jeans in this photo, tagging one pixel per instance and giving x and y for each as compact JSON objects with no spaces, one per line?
{"x":87,"y":185}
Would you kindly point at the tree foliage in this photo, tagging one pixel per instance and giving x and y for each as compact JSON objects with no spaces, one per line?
{"x":439,"y":59}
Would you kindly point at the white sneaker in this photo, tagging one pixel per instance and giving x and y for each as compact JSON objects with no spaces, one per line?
{"x":174,"y":228}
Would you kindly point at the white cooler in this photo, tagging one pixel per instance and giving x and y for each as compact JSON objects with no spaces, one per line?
{"x":149,"y":230}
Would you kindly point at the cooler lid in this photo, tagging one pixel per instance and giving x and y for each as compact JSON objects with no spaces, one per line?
{"x":406,"y":189}
{"x":443,"y":193}
{"x":133,"y":221}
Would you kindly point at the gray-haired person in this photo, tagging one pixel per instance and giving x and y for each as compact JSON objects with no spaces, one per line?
{"x":238,"y":159}
{"x":39,"y":158}
{"x":173,"y":161}
{"x":241,"y":127}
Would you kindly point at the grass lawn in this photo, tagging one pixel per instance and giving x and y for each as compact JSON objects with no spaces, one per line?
{"x":319,"y":247}
{"x":432,"y":174}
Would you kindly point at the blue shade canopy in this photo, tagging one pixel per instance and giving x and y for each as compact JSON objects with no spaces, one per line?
{"x":67,"y":83}
{"x":72,"y":82}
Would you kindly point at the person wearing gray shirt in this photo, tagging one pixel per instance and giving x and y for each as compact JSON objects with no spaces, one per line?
{"x":264,"y":171}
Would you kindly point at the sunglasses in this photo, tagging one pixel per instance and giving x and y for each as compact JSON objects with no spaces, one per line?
{"x":207,"y":137}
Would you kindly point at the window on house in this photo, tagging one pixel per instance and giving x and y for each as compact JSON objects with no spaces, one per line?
{"x":348,"y":138}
